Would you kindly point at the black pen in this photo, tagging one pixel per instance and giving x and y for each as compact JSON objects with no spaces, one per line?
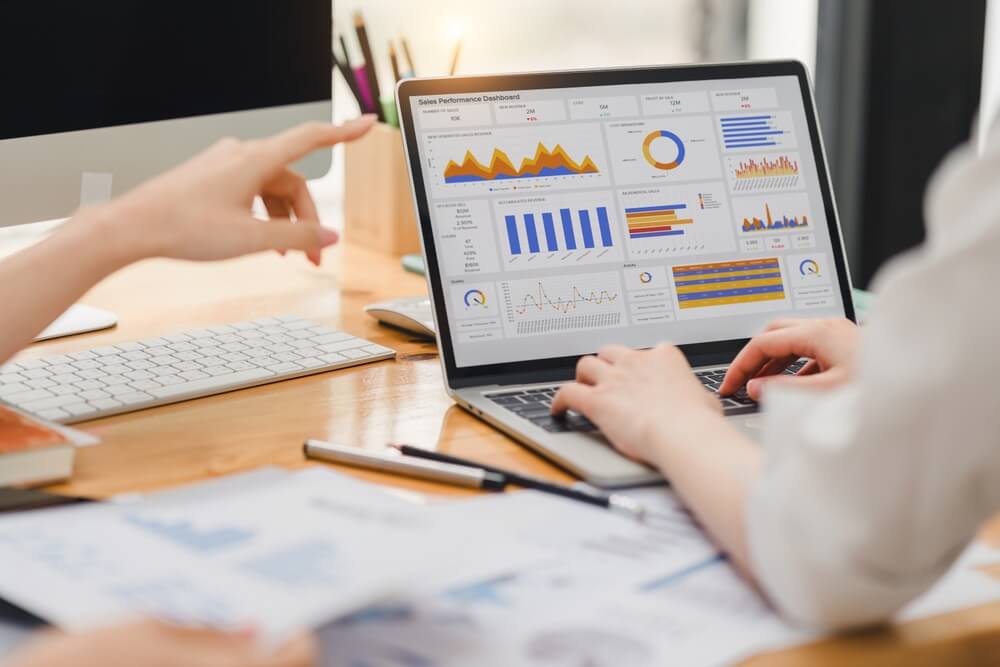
{"x":614,"y":501}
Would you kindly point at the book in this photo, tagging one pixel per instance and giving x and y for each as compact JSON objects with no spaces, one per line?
{"x":34,"y":451}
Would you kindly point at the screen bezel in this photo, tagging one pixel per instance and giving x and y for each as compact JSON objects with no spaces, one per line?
{"x":563,"y":368}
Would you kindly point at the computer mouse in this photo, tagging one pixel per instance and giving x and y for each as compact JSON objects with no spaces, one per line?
{"x":410,"y":314}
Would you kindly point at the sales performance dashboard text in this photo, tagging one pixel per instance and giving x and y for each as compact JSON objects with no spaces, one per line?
{"x":566,"y":219}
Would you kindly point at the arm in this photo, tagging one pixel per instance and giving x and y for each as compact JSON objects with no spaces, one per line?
{"x":865,"y":494}
{"x":199,"y":211}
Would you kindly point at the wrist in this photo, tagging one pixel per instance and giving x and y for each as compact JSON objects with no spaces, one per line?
{"x":693,"y":428}
{"x":110,"y":233}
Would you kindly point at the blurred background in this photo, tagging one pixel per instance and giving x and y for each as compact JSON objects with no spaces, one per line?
{"x":898,"y":82}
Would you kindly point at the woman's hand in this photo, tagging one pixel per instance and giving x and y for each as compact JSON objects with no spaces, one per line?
{"x":201,"y":210}
{"x":830,"y":345}
{"x":155,"y":644}
{"x":639,"y":399}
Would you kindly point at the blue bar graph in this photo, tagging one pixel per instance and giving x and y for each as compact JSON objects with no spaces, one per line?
{"x":585,"y":229}
{"x":605,"y":226}
{"x":512,"y":238}
{"x":567,"y":222}
{"x":550,"y":232}
{"x":523,"y":235}
{"x":751,"y":131}
{"x":529,"y":228}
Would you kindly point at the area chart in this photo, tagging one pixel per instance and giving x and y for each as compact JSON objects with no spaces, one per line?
{"x":545,"y":162}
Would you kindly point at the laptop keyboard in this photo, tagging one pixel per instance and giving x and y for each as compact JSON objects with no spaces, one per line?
{"x":535,"y":404}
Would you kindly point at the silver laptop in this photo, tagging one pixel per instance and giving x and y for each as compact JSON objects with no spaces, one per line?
{"x":563,"y":211}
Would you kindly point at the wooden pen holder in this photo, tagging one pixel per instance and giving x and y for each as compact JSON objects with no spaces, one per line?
{"x":378,"y":205}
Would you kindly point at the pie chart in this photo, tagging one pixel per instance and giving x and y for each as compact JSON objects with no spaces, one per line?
{"x":662,"y":139}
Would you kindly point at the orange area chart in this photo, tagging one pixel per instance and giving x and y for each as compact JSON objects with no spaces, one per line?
{"x":556,"y":162}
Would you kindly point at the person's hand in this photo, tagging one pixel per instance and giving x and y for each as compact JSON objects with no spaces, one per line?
{"x":156,"y":644}
{"x":639,"y":399}
{"x":201,"y":210}
{"x":830,"y":345}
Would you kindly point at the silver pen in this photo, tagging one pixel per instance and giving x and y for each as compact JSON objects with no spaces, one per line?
{"x":446,"y":473}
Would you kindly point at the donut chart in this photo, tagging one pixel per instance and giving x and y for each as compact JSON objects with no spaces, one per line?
{"x":648,"y":153}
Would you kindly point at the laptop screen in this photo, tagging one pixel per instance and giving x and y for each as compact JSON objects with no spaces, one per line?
{"x":568,"y":218}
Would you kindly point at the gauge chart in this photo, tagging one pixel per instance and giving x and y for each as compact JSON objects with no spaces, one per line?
{"x":562,"y":303}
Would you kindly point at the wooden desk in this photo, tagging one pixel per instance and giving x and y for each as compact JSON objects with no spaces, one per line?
{"x":368,"y":406}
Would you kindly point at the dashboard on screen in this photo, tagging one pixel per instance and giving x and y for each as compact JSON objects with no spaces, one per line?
{"x":565,"y":219}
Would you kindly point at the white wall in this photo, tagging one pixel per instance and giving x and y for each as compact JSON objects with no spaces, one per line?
{"x":783,"y":29}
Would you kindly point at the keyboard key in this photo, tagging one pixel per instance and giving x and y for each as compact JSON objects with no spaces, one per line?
{"x":80,"y":356}
{"x":10,"y":378}
{"x":106,"y":404}
{"x":130,"y":347}
{"x":91,"y":374}
{"x":28,"y":396}
{"x":376,"y":349}
{"x":354,"y":354}
{"x":350,"y":344}
{"x":54,"y":414}
{"x":57,"y":369}
{"x":114,"y":380}
{"x":241,"y":365}
{"x":211,"y":383}
{"x":167,"y":380}
{"x":326,"y":339}
{"x":136,"y":397}
{"x":120,"y":389}
{"x":286,"y":367}
{"x":194,"y":375}
{"x":332,"y":358}
{"x":116,"y":369}
{"x":80,"y":409}
{"x":311,"y":362}
{"x":36,"y":373}
{"x":164,"y":360}
{"x":136,"y":355}
{"x":61,"y":390}
{"x":41,"y":383}
{"x":215,"y":371}
{"x":139,"y":375}
{"x":176,"y":338}
{"x":32,"y":364}
{"x":141,"y":385}
{"x":11,"y":389}
{"x":87,"y":385}
{"x":87,"y":364}
{"x":186,"y":366}
{"x":182,"y":347}
{"x":48,"y":403}
{"x":94,"y":394}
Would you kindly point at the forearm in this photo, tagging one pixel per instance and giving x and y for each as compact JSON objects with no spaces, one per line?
{"x":38,"y":284}
{"x":712,"y":467}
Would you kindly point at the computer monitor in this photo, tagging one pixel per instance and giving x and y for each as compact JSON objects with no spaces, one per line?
{"x":99,"y":96}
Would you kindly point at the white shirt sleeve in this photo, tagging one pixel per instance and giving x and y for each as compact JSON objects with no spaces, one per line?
{"x":870,"y":492}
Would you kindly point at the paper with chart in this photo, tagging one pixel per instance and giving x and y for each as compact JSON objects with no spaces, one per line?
{"x":613,"y":594}
{"x":282,"y":557}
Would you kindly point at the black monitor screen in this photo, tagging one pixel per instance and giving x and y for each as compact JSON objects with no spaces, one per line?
{"x":68,"y":66}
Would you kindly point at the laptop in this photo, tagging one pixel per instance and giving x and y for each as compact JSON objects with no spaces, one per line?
{"x":562,"y":211}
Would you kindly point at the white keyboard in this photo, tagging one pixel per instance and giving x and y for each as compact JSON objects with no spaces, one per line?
{"x":145,"y":373}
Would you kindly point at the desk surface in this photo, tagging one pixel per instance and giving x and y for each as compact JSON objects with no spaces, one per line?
{"x":367,"y":406}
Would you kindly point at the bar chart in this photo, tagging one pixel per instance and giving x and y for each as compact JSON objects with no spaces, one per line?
{"x":677,"y":220}
{"x":542,"y":232}
{"x":757,"y":131}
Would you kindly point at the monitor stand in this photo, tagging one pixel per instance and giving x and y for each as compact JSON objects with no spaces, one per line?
{"x":77,"y":320}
